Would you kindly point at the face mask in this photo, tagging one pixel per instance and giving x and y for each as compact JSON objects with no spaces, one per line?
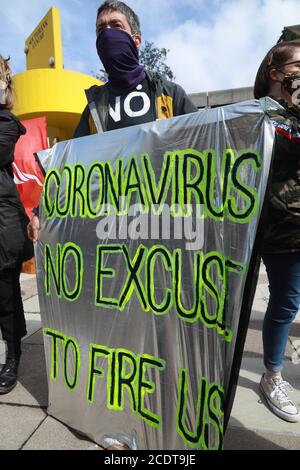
{"x":291,"y":83}
{"x":3,"y":87}
{"x":120,"y":58}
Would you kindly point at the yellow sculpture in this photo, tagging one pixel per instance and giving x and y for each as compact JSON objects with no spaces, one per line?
{"x":46,"y":89}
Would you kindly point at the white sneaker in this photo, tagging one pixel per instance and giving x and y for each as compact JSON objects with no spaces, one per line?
{"x":275,"y":393}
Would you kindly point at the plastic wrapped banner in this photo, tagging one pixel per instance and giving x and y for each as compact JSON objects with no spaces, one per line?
{"x":27,"y":173}
{"x":147,"y":236}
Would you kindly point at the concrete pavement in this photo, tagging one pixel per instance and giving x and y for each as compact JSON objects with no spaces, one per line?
{"x":252,"y":425}
{"x":23,"y":412}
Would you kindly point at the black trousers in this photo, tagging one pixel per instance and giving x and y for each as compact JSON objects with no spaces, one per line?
{"x":12,"y":320}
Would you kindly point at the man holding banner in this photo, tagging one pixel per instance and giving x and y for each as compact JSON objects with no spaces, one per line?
{"x":132,"y":95}
{"x":143,"y":322}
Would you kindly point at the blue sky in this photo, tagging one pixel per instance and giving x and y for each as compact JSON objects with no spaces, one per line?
{"x":214,"y":44}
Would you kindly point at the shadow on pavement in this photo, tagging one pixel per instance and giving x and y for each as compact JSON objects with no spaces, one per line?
{"x":239,"y":438}
{"x":32,"y":373}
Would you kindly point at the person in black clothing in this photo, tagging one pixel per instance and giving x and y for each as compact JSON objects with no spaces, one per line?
{"x":132,"y":95}
{"x":14,"y":244}
{"x":279,"y":77}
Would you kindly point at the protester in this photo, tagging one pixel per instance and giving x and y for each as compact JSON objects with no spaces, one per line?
{"x":279,"y":77}
{"x":132,"y":95}
{"x":14,"y":244}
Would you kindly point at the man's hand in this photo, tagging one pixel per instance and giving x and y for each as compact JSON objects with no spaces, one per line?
{"x":33,"y":229}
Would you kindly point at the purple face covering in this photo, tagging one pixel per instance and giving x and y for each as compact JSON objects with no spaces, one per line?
{"x":119,"y":56}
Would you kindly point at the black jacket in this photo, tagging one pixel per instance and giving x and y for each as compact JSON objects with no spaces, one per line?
{"x":170,"y":100}
{"x":14,"y":244}
{"x":282,"y":231}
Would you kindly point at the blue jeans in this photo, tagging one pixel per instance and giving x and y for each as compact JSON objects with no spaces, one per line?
{"x":284,"y":285}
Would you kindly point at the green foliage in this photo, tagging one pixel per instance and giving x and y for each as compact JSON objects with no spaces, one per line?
{"x":101,"y":75}
{"x":290,"y":33}
{"x":154,"y":60}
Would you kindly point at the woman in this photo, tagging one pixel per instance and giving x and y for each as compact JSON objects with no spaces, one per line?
{"x":14,"y":244}
{"x":279,"y":77}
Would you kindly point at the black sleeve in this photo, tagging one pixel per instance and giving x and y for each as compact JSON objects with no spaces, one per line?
{"x":182,"y":103}
{"x":9,"y":134}
{"x":286,"y":149}
{"x":83,"y":128}
{"x":36,"y":211}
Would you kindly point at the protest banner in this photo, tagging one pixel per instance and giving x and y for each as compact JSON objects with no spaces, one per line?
{"x":27,"y":173}
{"x":146,"y":275}
{"x":28,"y":176}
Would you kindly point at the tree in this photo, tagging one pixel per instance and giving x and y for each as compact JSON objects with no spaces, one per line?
{"x":153,"y":59}
{"x":101,"y":75}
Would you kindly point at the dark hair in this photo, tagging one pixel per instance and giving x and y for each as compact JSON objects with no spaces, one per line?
{"x":131,"y":17}
{"x":5,"y":75}
{"x":275,"y":58}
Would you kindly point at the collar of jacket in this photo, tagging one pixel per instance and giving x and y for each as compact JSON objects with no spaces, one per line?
{"x":9,"y":116}
{"x":98,"y":99}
